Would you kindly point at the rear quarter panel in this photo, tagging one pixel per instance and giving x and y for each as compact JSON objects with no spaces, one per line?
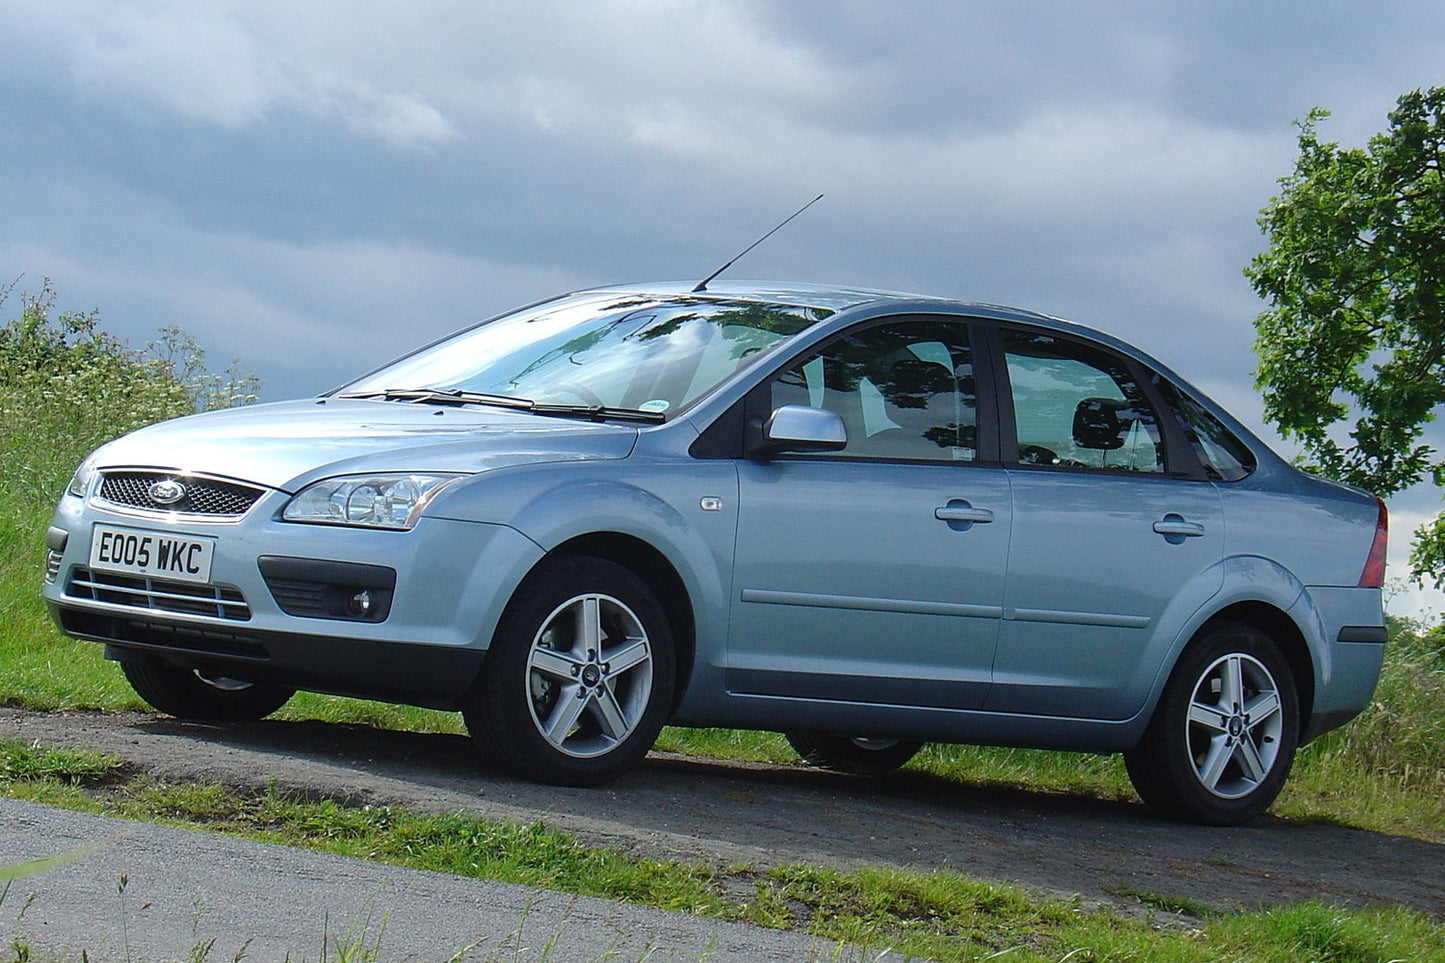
{"x":1318,"y":531}
{"x":1288,"y":532}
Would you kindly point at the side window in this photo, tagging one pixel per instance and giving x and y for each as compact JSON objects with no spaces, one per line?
{"x":1224,"y":456}
{"x":904,"y":391}
{"x":1076,"y":406}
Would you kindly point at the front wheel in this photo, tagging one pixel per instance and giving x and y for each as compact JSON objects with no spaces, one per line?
{"x":854,"y":755}
{"x":578,"y":681}
{"x":190,"y":694}
{"x":1223,"y":736}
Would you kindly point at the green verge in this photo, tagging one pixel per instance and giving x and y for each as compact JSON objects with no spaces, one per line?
{"x":935,"y":915}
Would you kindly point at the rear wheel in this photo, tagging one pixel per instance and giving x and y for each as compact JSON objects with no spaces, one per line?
{"x":1223,"y":737}
{"x":190,"y":694}
{"x":578,"y":681}
{"x":855,"y":755}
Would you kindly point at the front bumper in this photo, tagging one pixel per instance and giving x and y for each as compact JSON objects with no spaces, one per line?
{"x":421,"y":642}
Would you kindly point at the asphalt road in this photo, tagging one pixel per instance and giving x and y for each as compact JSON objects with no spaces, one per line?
{"x":183,"y":889}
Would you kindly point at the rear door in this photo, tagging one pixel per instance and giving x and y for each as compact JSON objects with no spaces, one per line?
{"x":1112,"y":522}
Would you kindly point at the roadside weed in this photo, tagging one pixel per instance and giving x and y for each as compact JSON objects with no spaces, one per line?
{"x":75,"y":766}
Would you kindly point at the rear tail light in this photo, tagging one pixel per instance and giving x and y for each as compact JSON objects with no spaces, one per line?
{"x":1374,"y":574}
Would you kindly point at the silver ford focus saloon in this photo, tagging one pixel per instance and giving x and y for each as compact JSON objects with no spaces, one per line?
{"x":865,"y":520}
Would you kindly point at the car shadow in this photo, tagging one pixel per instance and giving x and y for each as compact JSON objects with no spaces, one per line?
{"x":686,"y":807}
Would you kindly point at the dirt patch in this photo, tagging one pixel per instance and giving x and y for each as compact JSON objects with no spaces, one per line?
{"x":685,"y":808}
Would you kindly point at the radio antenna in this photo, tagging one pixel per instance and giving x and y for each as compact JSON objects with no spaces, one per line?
{"x":702,"y":285}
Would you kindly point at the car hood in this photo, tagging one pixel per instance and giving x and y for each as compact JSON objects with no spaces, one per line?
{"x":288,"y":445}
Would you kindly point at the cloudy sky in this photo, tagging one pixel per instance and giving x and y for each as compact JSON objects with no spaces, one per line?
{"x":313,"y":187}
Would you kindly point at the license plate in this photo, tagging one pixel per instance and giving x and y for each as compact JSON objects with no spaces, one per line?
{"x":185,"y":558}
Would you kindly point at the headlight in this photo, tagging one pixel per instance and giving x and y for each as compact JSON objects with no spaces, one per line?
{"x":80,"y":481}
{"x":366,"y":501}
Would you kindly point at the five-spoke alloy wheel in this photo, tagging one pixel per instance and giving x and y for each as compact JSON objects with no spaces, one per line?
{"x":1223,"y":737}
{"x":578,"y":681}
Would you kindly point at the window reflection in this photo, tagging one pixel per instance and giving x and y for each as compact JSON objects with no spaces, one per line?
{"x":651,"y":354}
{"x":1078,"y":407}
{"x":904,"y":391}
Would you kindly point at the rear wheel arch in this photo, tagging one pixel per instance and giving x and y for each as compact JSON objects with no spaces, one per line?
{"x":1284,"y":633}
{"x":661,"y":576}
{"x":1220,"y":742}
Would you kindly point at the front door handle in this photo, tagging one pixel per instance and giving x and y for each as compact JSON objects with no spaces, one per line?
{"x":950,"y":514}
{"x":1176,"y":529}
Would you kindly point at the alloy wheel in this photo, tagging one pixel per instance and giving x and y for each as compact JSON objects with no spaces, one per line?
{"x":1235,"y":722}
{"x":589,"y":675}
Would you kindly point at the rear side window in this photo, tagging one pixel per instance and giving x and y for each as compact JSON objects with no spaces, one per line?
{"x":1223,"y":455}
{"x":1076,"y":406}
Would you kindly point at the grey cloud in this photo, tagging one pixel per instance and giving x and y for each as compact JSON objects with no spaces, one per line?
{"x":315,"y":187}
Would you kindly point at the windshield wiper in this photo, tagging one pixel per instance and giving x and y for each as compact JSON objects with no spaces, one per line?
{"x":456,"y":396}
{"x":598,"y":412}
{"x":444,"y":396}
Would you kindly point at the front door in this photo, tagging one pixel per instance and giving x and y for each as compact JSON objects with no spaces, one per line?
{"x":876,"y":574}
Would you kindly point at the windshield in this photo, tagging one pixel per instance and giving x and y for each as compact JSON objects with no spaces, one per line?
{"x":601,"y":351}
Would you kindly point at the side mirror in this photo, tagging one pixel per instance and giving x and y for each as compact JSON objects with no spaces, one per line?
{"x":802,"y":429}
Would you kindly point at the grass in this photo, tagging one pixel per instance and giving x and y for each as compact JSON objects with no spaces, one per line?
{"x":936,"y":915}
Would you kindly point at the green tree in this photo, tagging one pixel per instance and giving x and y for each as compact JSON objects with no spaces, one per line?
{"x":1355,"y":332}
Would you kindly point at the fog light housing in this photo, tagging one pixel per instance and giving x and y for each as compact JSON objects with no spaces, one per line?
{"x":310,"y":588}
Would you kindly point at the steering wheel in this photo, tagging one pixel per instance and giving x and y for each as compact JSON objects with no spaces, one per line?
{"x":1037,"y":455}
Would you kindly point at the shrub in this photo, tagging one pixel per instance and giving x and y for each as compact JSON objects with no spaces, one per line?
{"x":67,"y":387}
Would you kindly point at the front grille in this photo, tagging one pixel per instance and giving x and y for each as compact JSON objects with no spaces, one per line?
{"x":204,"y":496}
{"x":143,"y":592}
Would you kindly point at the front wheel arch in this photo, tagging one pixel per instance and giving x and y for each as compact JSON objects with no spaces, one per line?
{"x":657,"y":571}
{"x":579,"y":679}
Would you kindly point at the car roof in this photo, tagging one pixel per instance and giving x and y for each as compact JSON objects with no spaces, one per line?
{"x":829,"y":297}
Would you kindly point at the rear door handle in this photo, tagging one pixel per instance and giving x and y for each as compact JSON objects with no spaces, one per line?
{"x":1175,"y":525}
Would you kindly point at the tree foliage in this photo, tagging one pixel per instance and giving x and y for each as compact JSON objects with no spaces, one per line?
{"x":64,"y":380}
{"x":1355,"y":279}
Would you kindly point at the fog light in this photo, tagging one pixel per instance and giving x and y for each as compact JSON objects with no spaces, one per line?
{"x":361,"y":603}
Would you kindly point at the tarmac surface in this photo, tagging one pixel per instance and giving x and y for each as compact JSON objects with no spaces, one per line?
{"x":139,"y":892}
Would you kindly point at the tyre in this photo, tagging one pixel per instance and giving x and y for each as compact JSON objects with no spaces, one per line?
{"x":189,"y":694}
{"x":1222,"y":739}
{"x":578,"y":681}
{"x":855,"y":755}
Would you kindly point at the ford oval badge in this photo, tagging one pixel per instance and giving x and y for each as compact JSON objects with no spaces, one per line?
{"x":167,"y":491}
